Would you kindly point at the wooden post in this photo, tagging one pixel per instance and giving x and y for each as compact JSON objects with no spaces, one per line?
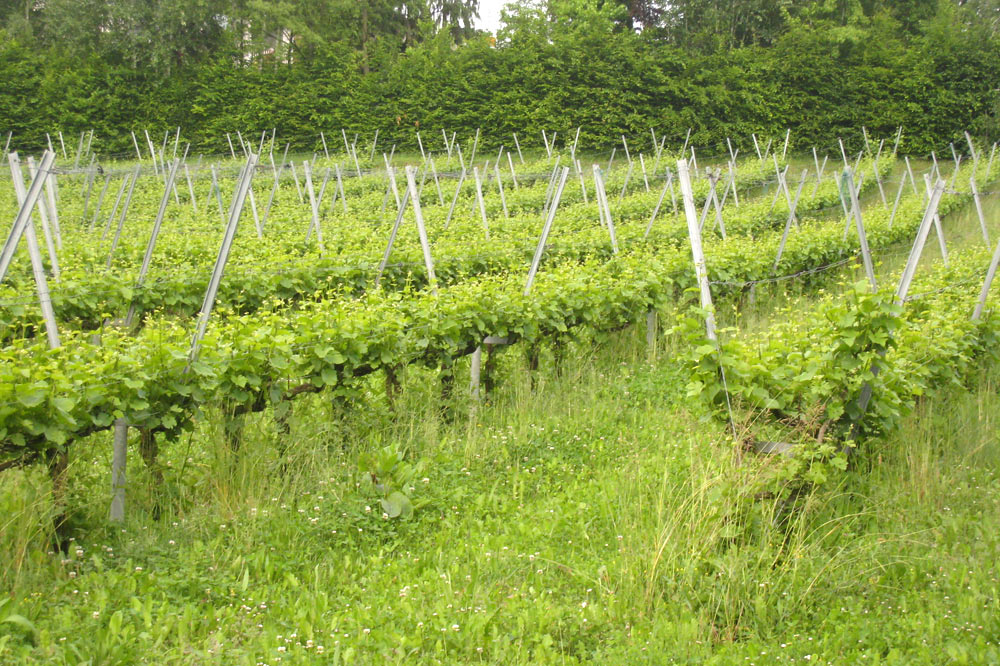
{"x":517,"y":145}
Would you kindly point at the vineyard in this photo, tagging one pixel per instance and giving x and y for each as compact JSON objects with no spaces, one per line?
{"x":360,"y":384}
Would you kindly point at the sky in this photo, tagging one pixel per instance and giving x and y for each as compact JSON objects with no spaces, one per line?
{"x":489,"y":14}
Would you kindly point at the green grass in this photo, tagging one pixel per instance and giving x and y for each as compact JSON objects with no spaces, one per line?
{"x":590,"y":518}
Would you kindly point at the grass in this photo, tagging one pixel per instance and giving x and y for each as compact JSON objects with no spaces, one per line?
{"x":592,"y":518}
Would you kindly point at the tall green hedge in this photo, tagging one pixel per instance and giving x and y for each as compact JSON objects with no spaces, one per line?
{"x":823,"y":84}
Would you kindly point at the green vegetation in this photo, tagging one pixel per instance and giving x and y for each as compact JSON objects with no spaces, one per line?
{"x":822,"y":69}
{"x":319,"y":486}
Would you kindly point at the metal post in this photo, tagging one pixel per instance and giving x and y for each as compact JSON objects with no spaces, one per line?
{"x":118,"y":199}
{"x":628,"y":176}
{"x":274,"y":189}
{"x":937,"y":225}
{"x":218,"y":194}
{"x":663,"y":194}
{"x":990,"y":274}
{"x":503,"y":199}
{"x":642,"y":164}
{"x":307,"y":170}
{"x":546,"y":228}
{"x":194,"y":203}
{"x":295,"y":177}
{"x":89,"y":184}
{"x":157,"y":224}
{"x":909,"y":171}
{"x":100,"y":202}
{"x":22,"y":225}
{"x":392,"y":237}
{"x":866,"y":255}
{"x":979,"y":209}
{"x":602,"y":203}
{"x":53,"y":256}
{"x":788,"y":222}
{"x":899,"y":195}
{"x":475,"y":144}
{"x":236,"y":209}
{"x":121,"y":220}
{"x":479,"y":198}
{"x":340,"y":185}
{"x":421,"y":230}
{"x":458,"y":190}
{"x":918,"y":244}
{"x":371,"y":157}
{"x":118,"y":465}
{"x":697,"y":254}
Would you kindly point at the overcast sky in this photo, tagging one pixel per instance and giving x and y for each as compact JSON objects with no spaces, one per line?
{"x":489,"y":14}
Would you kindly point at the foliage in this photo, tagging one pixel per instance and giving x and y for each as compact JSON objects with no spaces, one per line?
{"x":553,"y":68}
